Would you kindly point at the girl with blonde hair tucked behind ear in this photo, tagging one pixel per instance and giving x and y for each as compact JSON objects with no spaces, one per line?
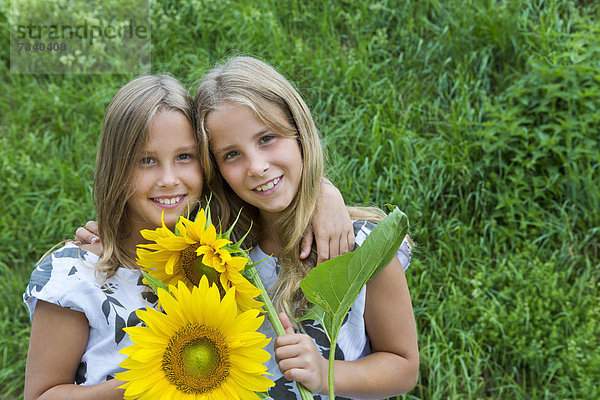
{"x":265,"y":145}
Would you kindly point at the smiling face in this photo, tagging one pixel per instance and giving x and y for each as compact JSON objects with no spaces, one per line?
{"x":263,"y":167}
{"x":167,"y":175}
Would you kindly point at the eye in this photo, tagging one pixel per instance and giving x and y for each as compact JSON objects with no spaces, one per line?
{"x":230,"y":155}
{"x":185,"y":156}
{"x":266,"y":139}
{"x":147,"y":161}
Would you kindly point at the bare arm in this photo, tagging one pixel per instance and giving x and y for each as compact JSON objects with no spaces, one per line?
{"x":331,"y":224}
{"x":393,"y":366}
{"x":58,"y":340}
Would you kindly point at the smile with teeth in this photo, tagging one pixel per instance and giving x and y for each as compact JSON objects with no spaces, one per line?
{"x":268,"y":185}
{"x":168,"y":201}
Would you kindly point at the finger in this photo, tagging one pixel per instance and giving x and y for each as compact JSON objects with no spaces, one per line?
{"x":95,"y":248}
{"x":92,"y":226}
{"x":294,"y":350}
{"x":343,"y":245}
{"x":305,"y":373}
{"x":85,"y":236}
{"x":287,"y":324}
{"x":322,"y":250}
{"x":307,"y":240}
{"x":334,"y":248}
{"x":350,"y":239}
{"x":287,"y":355}
{"x":297,"y":374}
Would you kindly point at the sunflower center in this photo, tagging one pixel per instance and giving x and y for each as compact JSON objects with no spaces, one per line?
{"x":200,"y":357}
{"x":196,"y":360}
{"x":194,"y":269}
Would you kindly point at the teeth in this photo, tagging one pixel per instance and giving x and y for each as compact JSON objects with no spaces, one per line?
{"x":268,"y":185}
{"x":172,"y":200}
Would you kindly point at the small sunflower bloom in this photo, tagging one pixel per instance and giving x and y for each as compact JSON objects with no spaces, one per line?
{"x":199,"y":348}
{"x":211,"y":249}
{"x":195,"y":252}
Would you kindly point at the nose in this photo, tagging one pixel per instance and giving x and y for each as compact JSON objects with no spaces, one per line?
{"x":168,"y":176}
{"x":258,"y":165}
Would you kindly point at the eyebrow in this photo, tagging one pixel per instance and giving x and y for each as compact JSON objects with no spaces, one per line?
{"x":187,"y":148}
{"x":226,"y":149}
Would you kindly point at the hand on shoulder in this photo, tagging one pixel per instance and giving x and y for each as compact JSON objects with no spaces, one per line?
{"x":88,"y":239}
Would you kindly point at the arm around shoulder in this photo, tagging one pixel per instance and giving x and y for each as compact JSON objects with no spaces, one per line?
{"x":332,"y":225}
{"x":58,"y":340}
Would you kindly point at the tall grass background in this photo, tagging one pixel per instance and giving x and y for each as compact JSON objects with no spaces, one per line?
{"x":480,"y":119}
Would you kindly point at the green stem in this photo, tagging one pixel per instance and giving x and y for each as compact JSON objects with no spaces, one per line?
{"x":253,"y":277}
{"x":331,"y":360}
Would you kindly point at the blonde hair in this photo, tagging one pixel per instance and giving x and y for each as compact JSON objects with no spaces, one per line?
{"x":124,"y":133}
{"x":253,"y":83}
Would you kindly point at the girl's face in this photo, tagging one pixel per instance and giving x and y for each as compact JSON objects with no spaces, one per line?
{"x":262,"y":167}
{"x":167,"y":175}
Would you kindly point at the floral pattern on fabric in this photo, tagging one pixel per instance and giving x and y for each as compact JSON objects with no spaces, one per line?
{"x":67,"y":278}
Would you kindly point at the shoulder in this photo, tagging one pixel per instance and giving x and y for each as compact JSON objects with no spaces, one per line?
{"x":67,"y":261}
{"x":63,"y":271}
{"x":362,"y":229}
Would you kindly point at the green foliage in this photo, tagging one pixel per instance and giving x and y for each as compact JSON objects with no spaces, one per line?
{"x":154,"y":283}
{"x":478,"y":118}
{"x":531,"y":319}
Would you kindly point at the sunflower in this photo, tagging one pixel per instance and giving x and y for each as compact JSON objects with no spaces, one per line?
{"x":199,"y":348}
{"x":197,"y":251}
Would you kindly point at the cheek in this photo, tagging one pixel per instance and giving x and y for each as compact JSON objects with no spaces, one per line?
{"x":233,"y":174}
{"x":292,"y":154}
{"x":229,"y":173}
{"x":195,"y":178}
{"x":142,"y":183}
{"x":137,"y":182}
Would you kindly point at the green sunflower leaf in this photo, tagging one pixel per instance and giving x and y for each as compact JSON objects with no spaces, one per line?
{"x":154,"y":283}
{"x":316,"y":313}
{"x":335,"y":284}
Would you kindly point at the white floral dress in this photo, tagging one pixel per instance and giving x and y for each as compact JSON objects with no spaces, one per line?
{"x":67,"y":277}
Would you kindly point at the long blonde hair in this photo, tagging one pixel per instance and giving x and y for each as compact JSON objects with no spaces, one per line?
{"x":124,"y":133}
{"x":253,"y":83}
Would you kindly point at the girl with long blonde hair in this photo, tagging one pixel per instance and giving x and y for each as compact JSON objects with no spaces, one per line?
{"x":265,"y":145}
{"x":147,"y":165}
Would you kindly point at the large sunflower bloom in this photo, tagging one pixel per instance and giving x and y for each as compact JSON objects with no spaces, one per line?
{"x":199,"y":348}
{"x":196,"y":252}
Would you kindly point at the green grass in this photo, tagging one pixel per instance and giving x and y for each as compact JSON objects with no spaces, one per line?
{"x":478,"y":118}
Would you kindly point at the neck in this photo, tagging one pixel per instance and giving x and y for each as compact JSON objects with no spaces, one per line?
{"x":268,"y":219}
{"x":268,"y":242}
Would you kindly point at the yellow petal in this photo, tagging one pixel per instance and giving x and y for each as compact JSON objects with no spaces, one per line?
{"x":237,"y":263}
